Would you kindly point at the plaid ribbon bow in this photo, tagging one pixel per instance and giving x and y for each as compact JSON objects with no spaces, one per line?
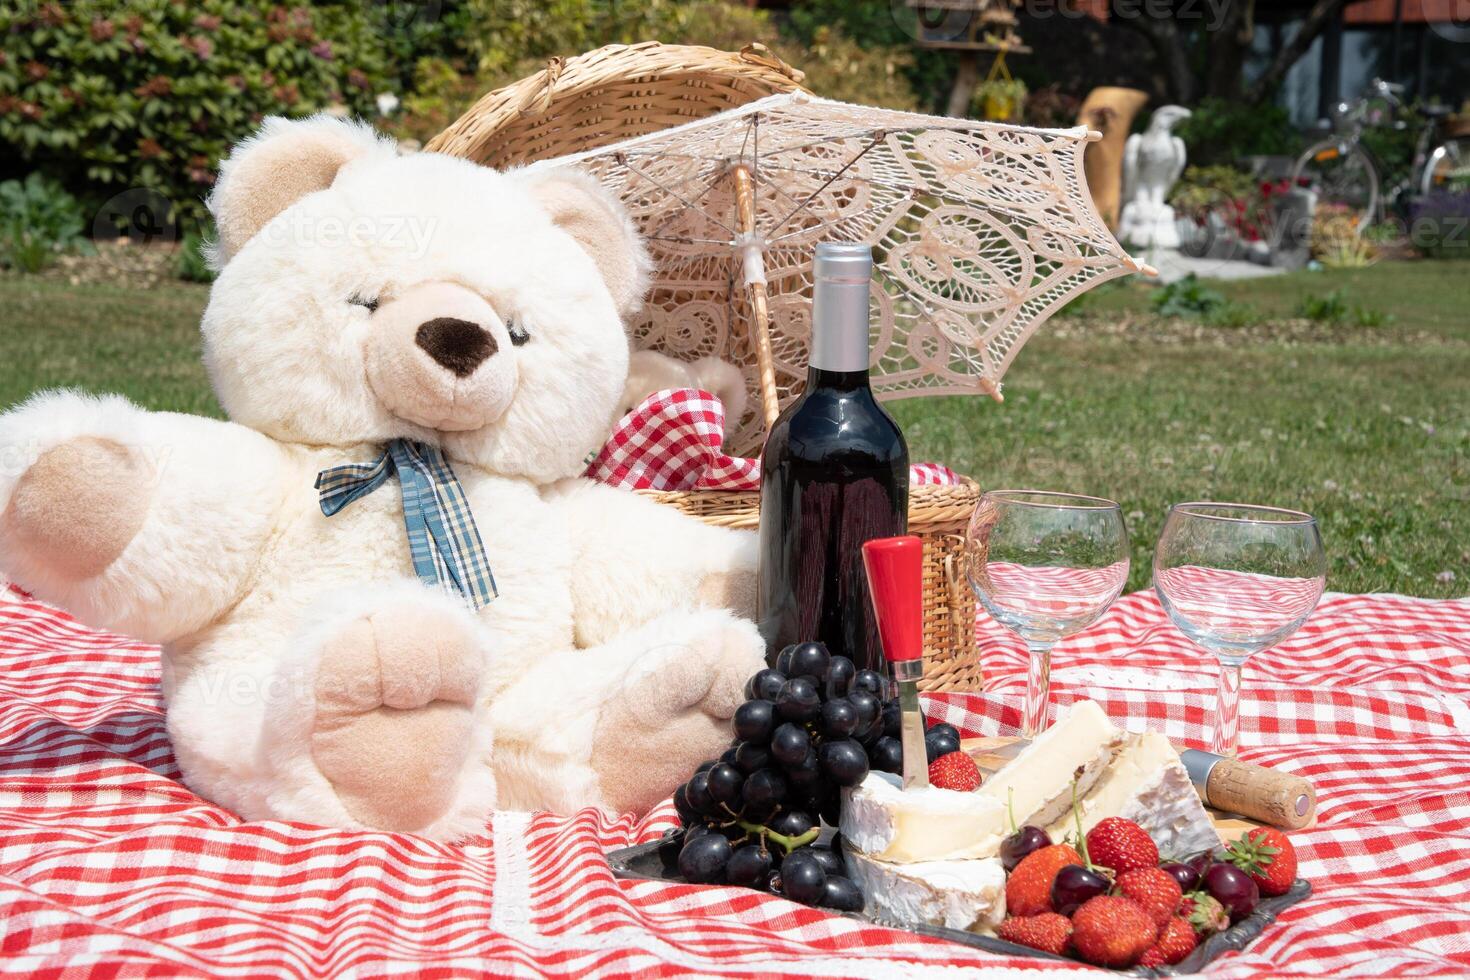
{"x":443,"y":541}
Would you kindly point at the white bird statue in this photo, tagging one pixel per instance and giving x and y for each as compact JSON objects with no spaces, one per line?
{"x":1152,"y":163}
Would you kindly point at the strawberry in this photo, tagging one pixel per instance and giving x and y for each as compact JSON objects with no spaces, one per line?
{"x":1047,"y":932}
{"x":1121,"y":845}
{"x":1267,"y":855}
{"x":1112,"y":931}
{"x":1028,"y":889}
{"x":956,"y":771}
{"x":1204,"y":912}
{"x":1154,"y":889}
{"x":1176,"y":941}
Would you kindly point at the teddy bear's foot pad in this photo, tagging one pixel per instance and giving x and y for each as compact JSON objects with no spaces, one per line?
{"x":664,"y":723}
{"x":395,"y":718}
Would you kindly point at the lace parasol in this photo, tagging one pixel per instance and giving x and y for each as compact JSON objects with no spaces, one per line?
{"x":979,"y":231}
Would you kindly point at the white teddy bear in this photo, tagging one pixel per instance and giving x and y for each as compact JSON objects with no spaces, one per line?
{"x":427,"y":350}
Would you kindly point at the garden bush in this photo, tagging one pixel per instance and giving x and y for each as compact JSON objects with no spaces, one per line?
{"x":887,"y":30}
{"x":414,"y":31}
{"x":1191,"y":298}
{"x":1229,"y":197}
{"x":836,"y":65}
{"x":441,"y":92}
{"x":1337,"y":241}
{"x":1220,"y":131}
{"x":505,"y":35}
{"x":190,"y":263}
{"x":38,"y":221}
{"x":507,"y":40}
{"x":117,"y":94}
{"x":109,"y":96}
{"x":1051,"y":107}
{"x":1205,"y":187}
{"x":1188,"y":296}
{"x":1393,"y":147}
{"x":1335,"y":308}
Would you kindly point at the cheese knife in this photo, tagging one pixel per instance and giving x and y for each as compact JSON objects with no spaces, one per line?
{"x":1257,"y":792}
{"x":894,"y":567}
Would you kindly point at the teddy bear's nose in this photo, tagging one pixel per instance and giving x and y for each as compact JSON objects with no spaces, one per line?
{"x":459,"y":345}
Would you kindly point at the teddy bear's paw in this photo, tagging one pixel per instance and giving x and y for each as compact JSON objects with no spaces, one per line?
{"x":78,"y":507}
{"x":667,"y":720}
{"x":397,"y":714}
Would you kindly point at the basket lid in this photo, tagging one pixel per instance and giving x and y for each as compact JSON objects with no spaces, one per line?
{"x":611,"y":94}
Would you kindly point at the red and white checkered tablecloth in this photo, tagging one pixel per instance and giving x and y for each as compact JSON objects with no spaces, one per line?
{"x":673,"y":440}
{"x":110,"y":866}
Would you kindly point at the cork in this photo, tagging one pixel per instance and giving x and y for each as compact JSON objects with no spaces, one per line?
{"x":1272,"y":797}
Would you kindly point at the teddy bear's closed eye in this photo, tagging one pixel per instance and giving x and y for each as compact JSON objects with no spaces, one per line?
{"x":371,"y":305}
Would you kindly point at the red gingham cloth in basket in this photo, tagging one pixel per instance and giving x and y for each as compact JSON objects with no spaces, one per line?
{"x":110,"y":866}
{"x":673,"y":439}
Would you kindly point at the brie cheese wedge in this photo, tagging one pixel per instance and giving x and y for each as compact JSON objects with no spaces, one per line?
{"x":1146,"y":783}
{"x":969,"y":895}
{"x":928,"y":855}
{"x":883,"y":820}
{"x":1136,"y":776}
{"x":1038,"y":782}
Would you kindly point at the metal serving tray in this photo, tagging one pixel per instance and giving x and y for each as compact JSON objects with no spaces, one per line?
{"x":642,"y":862}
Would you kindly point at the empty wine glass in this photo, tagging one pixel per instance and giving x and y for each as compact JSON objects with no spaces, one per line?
{"x":1045,"y":565}
{"x":1236,"y":579}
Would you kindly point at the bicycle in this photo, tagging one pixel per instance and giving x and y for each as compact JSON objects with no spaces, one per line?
{"x":1344,"y":172}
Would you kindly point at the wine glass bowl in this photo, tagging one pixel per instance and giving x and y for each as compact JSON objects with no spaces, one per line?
{"x":1045,"y":565}
{"x":1238,"y":579}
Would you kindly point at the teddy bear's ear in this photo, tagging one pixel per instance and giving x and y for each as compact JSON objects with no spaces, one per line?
{"x":582,"y":207}
{"x":282,"y":163}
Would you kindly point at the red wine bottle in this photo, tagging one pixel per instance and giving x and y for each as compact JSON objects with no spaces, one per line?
{"x":834,"y":473}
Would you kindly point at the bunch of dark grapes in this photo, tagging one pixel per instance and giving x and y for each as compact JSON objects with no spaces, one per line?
{"x":812,"y":725}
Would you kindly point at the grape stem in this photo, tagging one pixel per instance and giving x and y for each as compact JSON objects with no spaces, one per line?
{"x":788,"y":843}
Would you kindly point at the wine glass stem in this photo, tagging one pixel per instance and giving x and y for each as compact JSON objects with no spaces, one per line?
{"x":1038,"y":688}
{"x":1227,"y":710}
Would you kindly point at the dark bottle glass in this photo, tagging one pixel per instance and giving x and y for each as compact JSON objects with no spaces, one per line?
{"x":834,"y":473}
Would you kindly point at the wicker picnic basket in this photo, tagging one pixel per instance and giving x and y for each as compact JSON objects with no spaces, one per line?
{"x":622,"y":91}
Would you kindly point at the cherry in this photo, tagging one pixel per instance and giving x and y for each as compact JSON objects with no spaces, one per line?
{"x":1073,"y":886}
{"x":1186,"y":874}
{"x":1021,"y":843}
{"x":1232,"y":888}
{"x":1201,"y":863}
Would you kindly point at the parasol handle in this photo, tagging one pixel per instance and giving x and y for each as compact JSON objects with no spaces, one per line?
{"x":760,"y":314}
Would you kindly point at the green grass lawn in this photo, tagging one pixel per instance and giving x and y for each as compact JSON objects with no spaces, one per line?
{"x":1367,"y":427}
